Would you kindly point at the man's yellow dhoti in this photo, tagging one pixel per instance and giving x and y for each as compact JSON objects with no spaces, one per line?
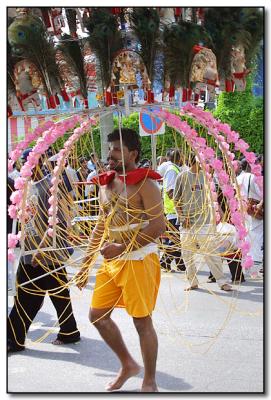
{"x":132,"y":284}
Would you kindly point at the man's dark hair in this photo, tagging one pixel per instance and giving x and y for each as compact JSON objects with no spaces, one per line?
{"x":168,"y":153}
{"x":175,"y":156}
{"x":82,"y":159}
{"x":130,"y":139}
{"x":244,"y":165}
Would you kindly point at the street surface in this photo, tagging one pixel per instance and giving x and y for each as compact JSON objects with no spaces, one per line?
{"x":208,"y":342}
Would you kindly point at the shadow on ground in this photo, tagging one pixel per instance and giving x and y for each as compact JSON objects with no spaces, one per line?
{"x":95,"y":354}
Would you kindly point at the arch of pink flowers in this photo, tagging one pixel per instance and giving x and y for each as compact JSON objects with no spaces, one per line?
{"x":207,"y":158}
{"x":52,"y":131}
{"x":17,"y":210}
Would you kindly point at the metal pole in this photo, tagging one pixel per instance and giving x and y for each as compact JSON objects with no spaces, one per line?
{"x":153,"y":151}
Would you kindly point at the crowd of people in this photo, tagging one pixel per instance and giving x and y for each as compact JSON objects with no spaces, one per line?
{"x":159,"y":219}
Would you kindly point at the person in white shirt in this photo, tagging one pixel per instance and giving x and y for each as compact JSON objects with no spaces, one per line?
{"x":162,"y":166}
{"x":250,"y":190}
{"x":196,"y":214}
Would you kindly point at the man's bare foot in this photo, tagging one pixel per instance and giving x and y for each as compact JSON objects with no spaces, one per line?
{"x":226,"y":287}
{"x":150,"y":387}
{"x":195,"y":287}
{"x":124,"y":374}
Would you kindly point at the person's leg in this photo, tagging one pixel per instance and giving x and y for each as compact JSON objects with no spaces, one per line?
{"x":176,"y":252}
{"x":189,"y":245}
{"x":27,"y":303}
{"x":60,"y":297}
{"x":208,"y":246}
{"x":216,"y":268}
{"x":101,"y":319}
{"x":236,"y":268}
{"x":191,"y":270}
{"x":149,"y":349}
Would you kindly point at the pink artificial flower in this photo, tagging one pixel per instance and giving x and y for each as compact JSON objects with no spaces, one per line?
{"x":231,"y":155}
{"x":245,"y":247}
{"x":25,"y":171}
{"x":201,"y":142}
{"x":41,"y":147}
{"x":225,"y":145}
{"x":10,"y":165}
{"x":247,"y":262}
{"x":232,"y":137}
{"x":217,"y":217}
{"x":223,"y":177}
{"x":53,"y":190}
{"x":16,"y":197}
{"x":11,"y":255}
{"x":33,"y":157}
{"x":209,"y":153}
{"x":236,"y":219}
{"x":256,"y":169}
{"x":52,"y":200}
{"x":12,"y":211}
{"x":217,"y":165}
{"x":15,"y":154}
{"x":250,"y":157}
{"x":233,"y":203}
{"x":51,"y":210}
{"x":228,"y":191}
{"x":220,"y":138}
{"x":12,"y":240}
{"x":242,"y":232}
{"x":241,"y":145}
{"x":19,"y":183}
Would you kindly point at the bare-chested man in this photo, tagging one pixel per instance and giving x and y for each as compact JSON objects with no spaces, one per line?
{"x":131,"y":216}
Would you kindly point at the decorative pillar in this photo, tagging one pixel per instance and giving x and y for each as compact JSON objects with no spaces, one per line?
{"x":106,"y":127}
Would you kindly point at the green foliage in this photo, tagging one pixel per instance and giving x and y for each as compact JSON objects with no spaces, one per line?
{"x":244,"y":113}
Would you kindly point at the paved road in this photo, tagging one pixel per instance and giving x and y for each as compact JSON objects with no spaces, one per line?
{"x":208,"y":342}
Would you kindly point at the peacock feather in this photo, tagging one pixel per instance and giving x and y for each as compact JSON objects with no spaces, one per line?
{"x":28,"y":39}
{"x":145,"y":23}
{"x":104,"y":39}
{"x":72,"y":52}
{"x":11,"y":61}
{"x":179,"y":39}
{"x":233,"y":26}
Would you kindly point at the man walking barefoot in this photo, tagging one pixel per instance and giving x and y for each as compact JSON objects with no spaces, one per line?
{"x":131,"y":219}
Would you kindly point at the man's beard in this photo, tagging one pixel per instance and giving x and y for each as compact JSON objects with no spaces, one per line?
{"x":117,"y":166}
